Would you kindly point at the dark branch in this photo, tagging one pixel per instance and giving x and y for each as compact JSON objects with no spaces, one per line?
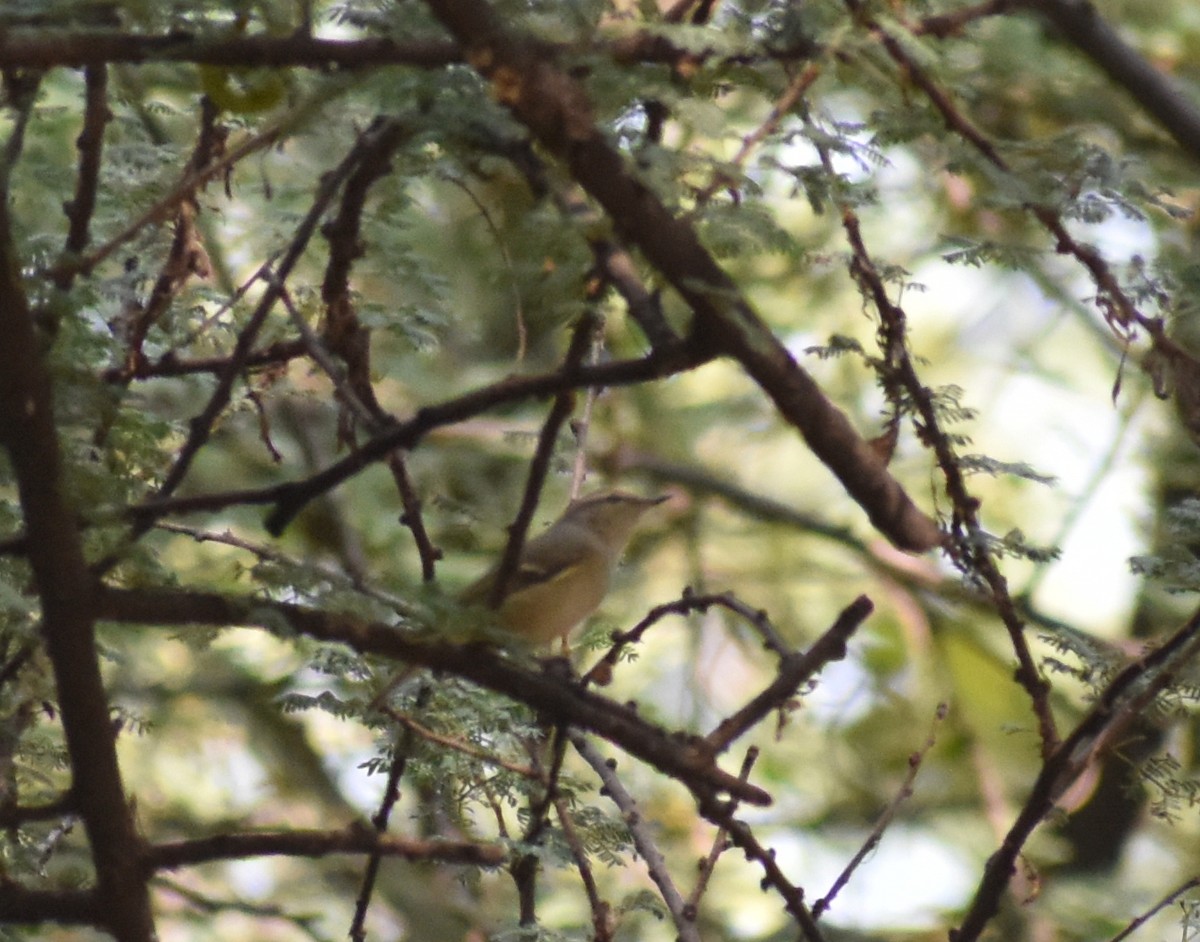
{"x":90,"y":145}
{"x":62,"y":907}
{"x":169,"y":365}
{"x":317,"y":843}
{"x":539,"y":467}
{"x":795,"y":669}
{"x":1125,"y":698}
{"x":60,"y":574}
{"x":556,"y":109}
{"x":1080,"y":24}
{"x":644,"y":838}
{"x":42,"y":49}
{"x":291,"y":498}
{"x":686,"y":758}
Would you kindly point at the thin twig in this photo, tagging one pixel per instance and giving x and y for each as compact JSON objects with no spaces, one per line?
{"x":643,"y":839}
{"x":1122,"y":701}
{"x":506,"y":257}
{"x":967,"y":548}
{"x":458,"y":745}
{"x":720,"y":844}
{"x":684,"y":605}
{"x":316,"y":350}
{"x":539,"y":466}
{"x":613,"y":263}
{"x":379,"y":821}
{"x":783,"y":106}
{"x":90,"y":145}
{"x":524,"y":868}
{"x":169,"y":364}
{"x":889,"y":813}
{"x":185,"y":258}
{"x":272,"y":554}
{"x":721,"y":814}
{"x":794,"y":670}
{"x":1154,"y":910}
{"x":953,"y":22}
{"x":356,"y":839}
{"x":292,"y":497}
{"x":83,"y":264}
{"x":582,"y":426}
{"x":602,"y":929}
{"x":306,"y":924}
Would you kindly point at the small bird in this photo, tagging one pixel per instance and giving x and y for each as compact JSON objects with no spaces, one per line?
{"x":563,"y":574}
{"x":561,"y":577}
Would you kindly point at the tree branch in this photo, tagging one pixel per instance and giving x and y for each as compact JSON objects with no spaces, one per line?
{"x":90,"y":144}
{"x":1125,"y":698}
{"x":43,"y":49}
{"x":643,"y":839}
{"x":795,"y":669}
{"x":55,"y":552}
{"x":291,"y":498}
{"x":684,"y":757}
{"x":1079,"y":23}
{"x":556,"y":109}
{"x":539,"y":466}
{"x":319,"y":843}
{"x":62,"y":907}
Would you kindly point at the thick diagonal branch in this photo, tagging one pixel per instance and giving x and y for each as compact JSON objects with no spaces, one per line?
{"x":1080,"y":24}
{"x":555,"y":108}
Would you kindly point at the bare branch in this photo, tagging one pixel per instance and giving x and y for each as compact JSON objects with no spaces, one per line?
{"x":556,"y":110}
{"x":318,"y":843}
{"x":402,"y":749}
{"x":1120,"y":703}
{"x":1079,"y":23}
{"x":539,"y":466}
{"x":42,"y":49}
{"x":291,"y":498}
{"x":1158,"y":907}
{"x":459,"y":745}
{"x":741,"y":835}
{"x":953,"y":22}
{"x":55,"y":552}
{"x":601,"y":910}
{"x":794,"y":670}
{"x":682,"y":756}
{"x":889,"y":813}
{"x":90,"y":144}
{"x":62,"y":907}
{"x":12,"y":816}
{"x":719,"y":845}
{"x":162,"y":209}
{"x":643,"y":838}
{"x":900,"y":381}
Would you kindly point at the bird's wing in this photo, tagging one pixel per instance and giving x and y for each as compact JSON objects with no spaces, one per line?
{"x":540,"y":564}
